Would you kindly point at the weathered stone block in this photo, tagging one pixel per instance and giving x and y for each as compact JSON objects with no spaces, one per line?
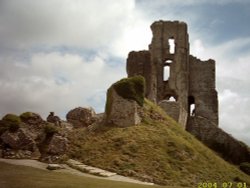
{"x":54,"y":167}
{"x":124,"y":101}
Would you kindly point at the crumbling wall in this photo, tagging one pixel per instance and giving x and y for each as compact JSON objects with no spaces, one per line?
{"x":190,"y":81}
{"x":138,"y":63}
{"x":124,"y":101}
{"x":172,"y":108}
{"x":174,"y":73}
{"x":202,"y":88}
{"x":218,"y":140}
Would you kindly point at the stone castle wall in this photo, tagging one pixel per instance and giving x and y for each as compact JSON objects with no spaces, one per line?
{"x":202,"y":88}
{"x":228,"y":147}
{"x":190,"y":81}
{"x":172,"y":108}
{"x":138,"y":63}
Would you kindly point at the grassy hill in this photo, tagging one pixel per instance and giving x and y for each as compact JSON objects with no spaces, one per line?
{"x":158,"y":150}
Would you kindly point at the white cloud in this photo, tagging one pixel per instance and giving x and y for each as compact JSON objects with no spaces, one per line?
{"x":36,"y":76}
{"x":197,"y":47}
{"x":194,"y":2}
{"x":233,"y":116}
{"x":230,"y":61}
{"x":88,"y":24}
{"x":136,"y":36}
{"x":56,"y":82}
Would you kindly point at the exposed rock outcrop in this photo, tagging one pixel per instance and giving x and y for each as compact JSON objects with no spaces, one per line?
{"x":19,"y":140}
{"x":34,"y":123}
{"x":57,"y":145}
{"x":81,"y":117}
{"x":32,"y":119}
{"x":29,"y":136}
{"x":54,"y":119}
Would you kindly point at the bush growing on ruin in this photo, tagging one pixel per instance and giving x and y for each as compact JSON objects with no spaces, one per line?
{"x":131,"y":88}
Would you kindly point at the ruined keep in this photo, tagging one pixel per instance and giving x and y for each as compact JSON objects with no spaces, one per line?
{"x":181,"y":84}
{"x":184,"y":86}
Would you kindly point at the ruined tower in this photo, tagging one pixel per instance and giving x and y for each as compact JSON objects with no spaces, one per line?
{"x":181,"y":84}
{"x":184,"y":86}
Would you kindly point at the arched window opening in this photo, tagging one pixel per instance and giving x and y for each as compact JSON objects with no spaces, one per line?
{"x":171,"y":43}
{"x":192,"y":110}
{"x":166,"y":73}
{"x":172,"y":99}
{"x":191,"y":102}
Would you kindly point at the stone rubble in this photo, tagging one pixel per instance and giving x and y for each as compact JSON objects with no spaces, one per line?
{"x":89,"y":169}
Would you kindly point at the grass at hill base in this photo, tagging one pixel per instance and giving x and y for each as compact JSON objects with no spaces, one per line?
{"x":15,"y":176}
{"x":158,"y":150}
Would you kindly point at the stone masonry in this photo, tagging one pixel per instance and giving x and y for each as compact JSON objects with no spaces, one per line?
{"x":174,"y":73}
{"x":183,"y":85}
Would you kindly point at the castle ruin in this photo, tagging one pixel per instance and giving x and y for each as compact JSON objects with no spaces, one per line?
{"x":184,"y":86}
{"x":181,"y":84}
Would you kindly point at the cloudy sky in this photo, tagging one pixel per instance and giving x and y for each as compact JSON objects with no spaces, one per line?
{"x":56,"y":55}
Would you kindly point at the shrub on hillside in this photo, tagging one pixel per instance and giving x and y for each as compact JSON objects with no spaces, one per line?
{"x":10,"y":122}
{"x":26,"y":115}
{"x":50,"y":129}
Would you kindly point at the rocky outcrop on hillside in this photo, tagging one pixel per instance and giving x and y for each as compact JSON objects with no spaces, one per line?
{"x":81,"y":117}
{"x":29,"y":136}
{"x":54,"y":119}
{"x":57,"y":145}
{"x":20,"y":139}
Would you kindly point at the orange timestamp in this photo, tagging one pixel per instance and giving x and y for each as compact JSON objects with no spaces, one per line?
{"x":222,"y":185}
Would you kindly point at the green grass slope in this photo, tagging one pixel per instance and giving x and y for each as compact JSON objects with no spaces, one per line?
{"x":158,"y":150}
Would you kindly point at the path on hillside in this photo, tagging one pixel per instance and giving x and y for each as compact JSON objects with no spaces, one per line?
{"x":67,"y":169}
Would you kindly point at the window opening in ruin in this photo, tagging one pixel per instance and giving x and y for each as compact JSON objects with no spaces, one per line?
{"x":171,"y":44}
{"x":172,"y":99}
{"x":192,"y":110}
{"x":166,"y":73}
{"x":168,"y":62}
{"x":191,"y":102}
